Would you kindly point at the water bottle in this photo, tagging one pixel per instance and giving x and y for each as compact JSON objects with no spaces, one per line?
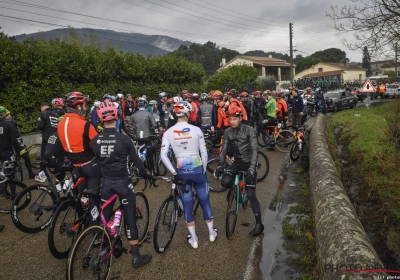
{"x":58,"y":186}
{"x":117,"y":218}
{"x":42,"y":175}
{"x":111,"y":228}
{"x":143,"y":155}
{"x":67,"y":184}
{"x":85,"y":202}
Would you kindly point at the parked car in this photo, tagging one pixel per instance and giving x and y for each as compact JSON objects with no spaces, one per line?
{"x":338,"y":100}
{"x":392,"y":90}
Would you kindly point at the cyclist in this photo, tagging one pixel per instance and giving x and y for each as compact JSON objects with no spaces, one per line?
{"x":143,"y":125}
{"x":76,"y":136}
{"x":47,"y":124}
{"x":162,"y":108}
{"x":195,"y":113}
{"x":187,"y":142}
{"x":297,"y":108}
{"x":320,"y":100}
{"x":112,"y":150}
{"x":128,"y":107}
{"x":207,"y":113}
{"x":247,"y":104}
{"x":21,"y":147}
{"x":196,"y":99}
{"x":94,"y":119}
{"x":281,"y":108}
{"x":232,"y":95}
{"x":241,"y":141}
{"x":173,"y":118}
{"x":8,"y":144}
{"x":154,"y":110}
{"x":223,"y":121}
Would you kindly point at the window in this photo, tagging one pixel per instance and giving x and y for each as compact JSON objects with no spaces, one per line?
{"x":320,"y":69}
{"x":360,"y":77}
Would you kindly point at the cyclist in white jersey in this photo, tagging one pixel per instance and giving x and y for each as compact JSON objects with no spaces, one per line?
{"x":187,"y":142}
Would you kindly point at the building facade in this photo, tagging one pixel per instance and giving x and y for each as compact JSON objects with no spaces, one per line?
{"x":337,"y":71}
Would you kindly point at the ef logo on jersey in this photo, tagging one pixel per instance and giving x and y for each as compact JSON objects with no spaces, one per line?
{"x":184,"y":132}
{"x":106,"y":150}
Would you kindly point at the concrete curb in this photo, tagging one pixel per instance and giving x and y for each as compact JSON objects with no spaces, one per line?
{"x":342,"y":244}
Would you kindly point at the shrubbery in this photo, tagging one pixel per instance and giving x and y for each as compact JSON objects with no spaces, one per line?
{"x":36,"y":71}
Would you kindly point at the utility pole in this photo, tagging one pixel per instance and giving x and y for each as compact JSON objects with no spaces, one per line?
{"x":291,"y":52}
{"x":395,"y":60}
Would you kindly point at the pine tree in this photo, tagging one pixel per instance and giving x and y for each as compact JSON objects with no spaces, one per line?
{"x":366,"y":61}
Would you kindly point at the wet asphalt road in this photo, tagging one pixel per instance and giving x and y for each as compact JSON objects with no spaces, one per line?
{"x":26,"y":256}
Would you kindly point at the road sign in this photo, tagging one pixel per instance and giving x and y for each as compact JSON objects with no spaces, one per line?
{"x":368,"y":87}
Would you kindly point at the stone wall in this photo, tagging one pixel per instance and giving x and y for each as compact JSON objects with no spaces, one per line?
{"x":342,"y":244}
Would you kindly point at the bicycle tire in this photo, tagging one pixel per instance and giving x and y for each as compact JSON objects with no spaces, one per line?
{"x":295,"y":151}
{"x":165,"y":219}
{"x":262,"y":166}
{"x":142,"y":215}
{"x":60,"y":224}
{"x":284,"y":140}
{"x":161,"y":169}
{"x":33,"y":152}
{"x":41,"y":202}
{"x":6,"y":198}
{"x":91,"y":252}
{"x":262,"y":140}
{"x":231,"y":213}
{"x":211,"y":167}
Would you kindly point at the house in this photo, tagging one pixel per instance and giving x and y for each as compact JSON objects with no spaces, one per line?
{"x":265,"y":65}
{"x":339,"y":71}
{"x":390,"y":66}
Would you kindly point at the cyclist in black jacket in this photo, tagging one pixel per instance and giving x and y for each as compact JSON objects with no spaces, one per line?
{"x":58,"y":104}
{"x":112,"y":149}
{"x":47,"y":124}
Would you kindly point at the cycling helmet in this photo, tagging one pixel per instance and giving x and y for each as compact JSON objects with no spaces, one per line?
{"x":257,"y":93}
{"x":234,"y":111}
{"x":217,"y":92}
{"x":204,"y":96}
{"x":162,"y":94}
{"x":189,"y":96}
{"x":177,"y":99}
{"x":120,"y":96}
{"x":210,"y":93}
{"x":57,"y":102}
{"x":182,"y":108}
{"x":278,"y":94}
{"x":73,"y":99}
{"x":290,"y":88}
{"x":317,"y":89}
{"x":107,"y":112}
{"x":195,"y":96}
{"x":233,"y":92}
{"x":112,"y":97}
{"x":141,"y":102}
{"x":107,"y":96}
{"x":170,"y":100}
{"x":244,"y":94}
{"x":153,"y":102}
{"x":2,"y":110}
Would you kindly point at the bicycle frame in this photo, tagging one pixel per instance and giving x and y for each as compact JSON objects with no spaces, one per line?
{"x":240,"y":191}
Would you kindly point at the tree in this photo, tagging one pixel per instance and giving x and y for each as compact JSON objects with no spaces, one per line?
{"x":374,"y":23}
{"x":232,"y":77}
{"x":366,"y":61}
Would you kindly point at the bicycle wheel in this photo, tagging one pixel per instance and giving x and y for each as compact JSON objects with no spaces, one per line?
{"x":212,"y":149}
{"x":142,"y":215}
{"x":211,"y":167}
{"x":231,"y":212}
{"x":165,"y":225}
{"x":262,"y":140}
{"x":284,"y":140}
{"x":262,"y":166}
{"x":64,"y":229}
{"x":8,"y":193}
{"x":161,"y":169}
{"x":33,"y":152}
{"x":304,"y":159}
{"x":91,"y":255}
{"x":33,"y":208}
{"x":295,"y":150}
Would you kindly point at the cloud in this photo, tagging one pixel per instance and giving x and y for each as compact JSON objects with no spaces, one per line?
{"x":236,"y":24}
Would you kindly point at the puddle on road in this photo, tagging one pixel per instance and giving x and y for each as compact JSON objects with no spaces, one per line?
{"x":274,"y":256}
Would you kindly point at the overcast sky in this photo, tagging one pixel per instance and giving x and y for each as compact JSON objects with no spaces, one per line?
{"x":242,"y":25}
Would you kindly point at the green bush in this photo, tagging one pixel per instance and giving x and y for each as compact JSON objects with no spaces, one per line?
{"x":268,"y":82}
{"x":232,"y":77}
{"x":37,"y":71}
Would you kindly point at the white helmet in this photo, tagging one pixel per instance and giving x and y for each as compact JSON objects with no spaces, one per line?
{"x":177,"y":99}
{"x":120,"y":96}
{"x":152,"y":102}
{"x":182,"y":108}
{"x":96,"y":104}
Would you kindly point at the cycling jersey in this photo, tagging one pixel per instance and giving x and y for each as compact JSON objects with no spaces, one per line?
{"x":8,"y":139}
{"x":282,"y":109}
{"x":76,"y":135}
{"x":54,"y":152}
{"x":195,"y":114}
{"x":47,"y":123}
{"x":128,"y":107}
{"x":113,"y":150}
{"x":207,"y":114}
{"x":143,"y":123}
{"x":238,"y":103}
{"x":59,"y":112}
{"x":223,"y":121}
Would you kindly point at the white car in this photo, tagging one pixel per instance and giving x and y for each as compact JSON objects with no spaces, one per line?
{"x":392,"y":90}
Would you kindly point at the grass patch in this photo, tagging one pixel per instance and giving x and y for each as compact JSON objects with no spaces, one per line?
{"x":374,"y":143}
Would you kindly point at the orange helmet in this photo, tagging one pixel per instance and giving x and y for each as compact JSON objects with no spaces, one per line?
{"x":257,"y":93}
{"x":243,"y":94}
{"x":234,"y":111}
